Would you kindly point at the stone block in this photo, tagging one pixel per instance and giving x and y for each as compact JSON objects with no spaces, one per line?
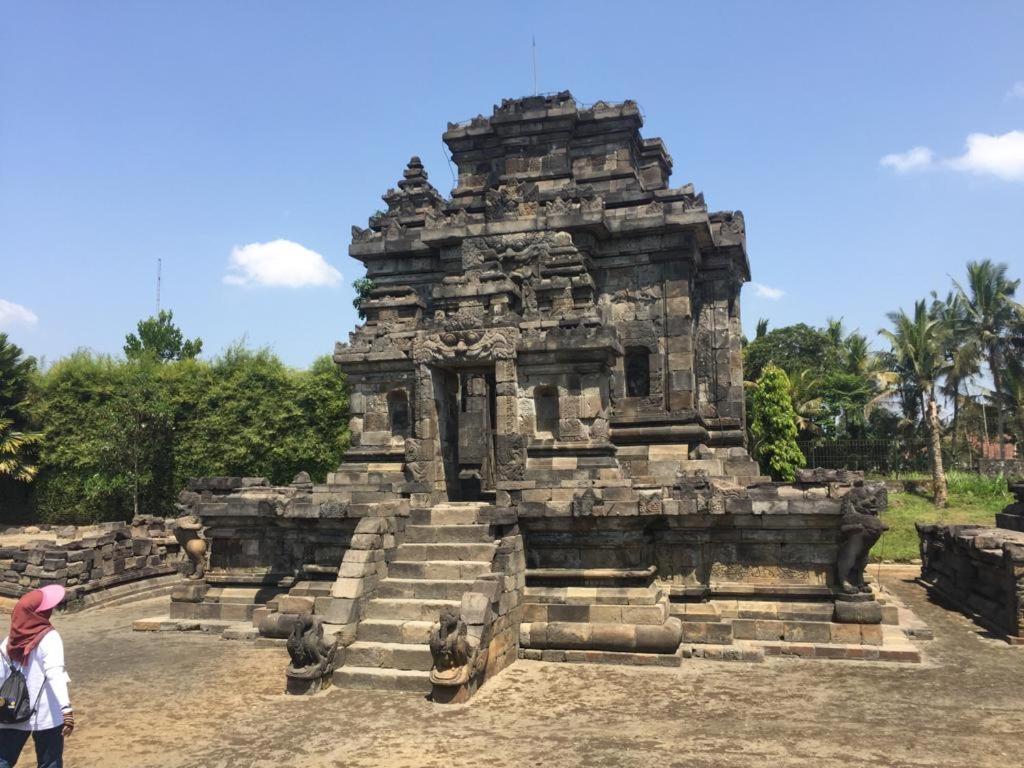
{"x":807,"y":632}
{"x":847,"y":634}
{"x":351,"y":588}
{"x":294,"y":604}
{"x":871,"y":634}
{"x":336,"y":611}
{"x":613,"y":637}
{"x":569,"y":635}
{"x":476,"y":608}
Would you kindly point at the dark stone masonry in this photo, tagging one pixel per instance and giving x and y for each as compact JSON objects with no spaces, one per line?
{"x":980,"y":569}
{"x":547,"y":421}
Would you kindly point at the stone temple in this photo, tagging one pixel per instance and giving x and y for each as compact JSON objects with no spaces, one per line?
{"x":548,"y":443}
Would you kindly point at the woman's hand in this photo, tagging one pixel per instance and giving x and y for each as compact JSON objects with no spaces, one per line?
{"x":69,"y":723}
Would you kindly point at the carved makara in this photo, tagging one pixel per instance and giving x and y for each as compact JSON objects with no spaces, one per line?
{"x":455,"y":658}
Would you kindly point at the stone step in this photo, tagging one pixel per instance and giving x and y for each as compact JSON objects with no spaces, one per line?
{"x":448,"y":514}
{"x":694,"y":611}
{"x":715,"y":652}
{"x":596,"y":613}
{"x":394,"y":631}
{"x":447,"y":551}
{"x":431,"y":589}
{"x":713,"y":632}
{"x":370,"y":653}
{"x":407,"y":609}
{"x":438,"y":569}
{"x":448,"y":534}
{"x":375,"y":678}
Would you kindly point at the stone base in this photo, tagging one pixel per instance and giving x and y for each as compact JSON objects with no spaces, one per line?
{"x":857,"y":609}
{"x":299,"y":686}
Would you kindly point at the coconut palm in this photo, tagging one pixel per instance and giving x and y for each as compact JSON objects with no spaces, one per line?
{"x":918,"y":344}
{"x":989,"y":313}
{"x":962,"y":353}
{"x":13,"y":445}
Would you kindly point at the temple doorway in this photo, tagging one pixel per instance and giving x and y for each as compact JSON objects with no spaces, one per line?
{"x":466,"y":420}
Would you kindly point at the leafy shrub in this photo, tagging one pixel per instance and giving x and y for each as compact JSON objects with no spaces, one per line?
{"x":774,"y":425}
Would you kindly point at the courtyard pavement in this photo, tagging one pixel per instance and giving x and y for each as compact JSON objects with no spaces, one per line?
{"x":157,"y":700}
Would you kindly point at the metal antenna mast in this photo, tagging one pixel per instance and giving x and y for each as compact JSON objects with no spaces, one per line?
{"x":534,"y":47}
{"x":158,"y":266}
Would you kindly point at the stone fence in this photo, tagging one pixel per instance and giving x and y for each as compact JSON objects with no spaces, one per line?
{"x":87,"y":560}
{"x":1005,"y":467}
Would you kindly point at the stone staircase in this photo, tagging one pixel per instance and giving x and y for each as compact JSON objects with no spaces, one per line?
{"x":445,"y":548}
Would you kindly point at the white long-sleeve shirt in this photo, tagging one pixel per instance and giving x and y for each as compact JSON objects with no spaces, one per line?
{"x":47,"y":683}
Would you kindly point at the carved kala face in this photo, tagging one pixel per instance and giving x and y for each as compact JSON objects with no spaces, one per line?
{"x":462,"y":340}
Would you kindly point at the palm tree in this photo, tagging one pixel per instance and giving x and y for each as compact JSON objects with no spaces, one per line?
{"x":13,"y":462}
{"x":917,"y":343}
{"x":989,"y":312}
{"x":962,"y":353}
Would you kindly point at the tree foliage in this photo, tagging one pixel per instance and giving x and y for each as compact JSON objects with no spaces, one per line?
{"x":773,"y":425}
{"x":364,"y":287}
{"x":125,"y":436}
{"x":160,"y":339}
{"x":792,"y":348}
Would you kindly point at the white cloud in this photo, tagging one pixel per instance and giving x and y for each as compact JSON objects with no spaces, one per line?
{"x":279,"y":263}
{"x":15,"y":314}
{"x":767,"y":292}
{"x":915,"y":159}
{"x":1016,"y":91}
{"x":1001,"y":156}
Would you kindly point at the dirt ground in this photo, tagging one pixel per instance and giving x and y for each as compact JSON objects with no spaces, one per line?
{"x":179,"y":699}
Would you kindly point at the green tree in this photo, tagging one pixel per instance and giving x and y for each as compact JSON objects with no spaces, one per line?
{"x":364,"y":287}
{"x":989,"y":313}
{"x":792,"y":348}
{"x":160,"y":339}
{"x":918,"y":344}
{"x":774,"y":425}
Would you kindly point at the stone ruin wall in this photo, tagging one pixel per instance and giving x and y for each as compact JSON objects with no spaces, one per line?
{"x":980,"y":569}
{"x":97,"y":563}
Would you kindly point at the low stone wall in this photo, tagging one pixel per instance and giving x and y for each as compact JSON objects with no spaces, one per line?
{"x":1005,"y":467}
{"x":981,"y":569}
{"x":86,"y":560}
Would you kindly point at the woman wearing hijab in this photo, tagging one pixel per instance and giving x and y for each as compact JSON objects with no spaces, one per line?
{"x":34,"y":647}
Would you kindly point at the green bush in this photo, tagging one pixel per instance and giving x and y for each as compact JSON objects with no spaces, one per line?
{"x":121,"y":437}
{"x":774,"y":427}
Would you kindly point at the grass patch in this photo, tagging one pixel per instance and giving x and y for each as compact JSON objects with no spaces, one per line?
{"x":972,"y":499}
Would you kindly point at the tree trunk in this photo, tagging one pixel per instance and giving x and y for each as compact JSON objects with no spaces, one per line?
{"x":938,"y":474}
{"x":993,"y":363}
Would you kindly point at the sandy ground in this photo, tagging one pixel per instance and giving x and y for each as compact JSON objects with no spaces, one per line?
{"x":179,"y":699}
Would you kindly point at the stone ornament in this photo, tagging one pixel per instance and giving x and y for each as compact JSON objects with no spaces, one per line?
{"x":313,"y":659}
{"x":860,"y":528}
{"x":456,"y":658}
{"x":188,"y":532}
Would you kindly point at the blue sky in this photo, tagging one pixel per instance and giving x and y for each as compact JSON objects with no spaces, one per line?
{"x":185,"y":131}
